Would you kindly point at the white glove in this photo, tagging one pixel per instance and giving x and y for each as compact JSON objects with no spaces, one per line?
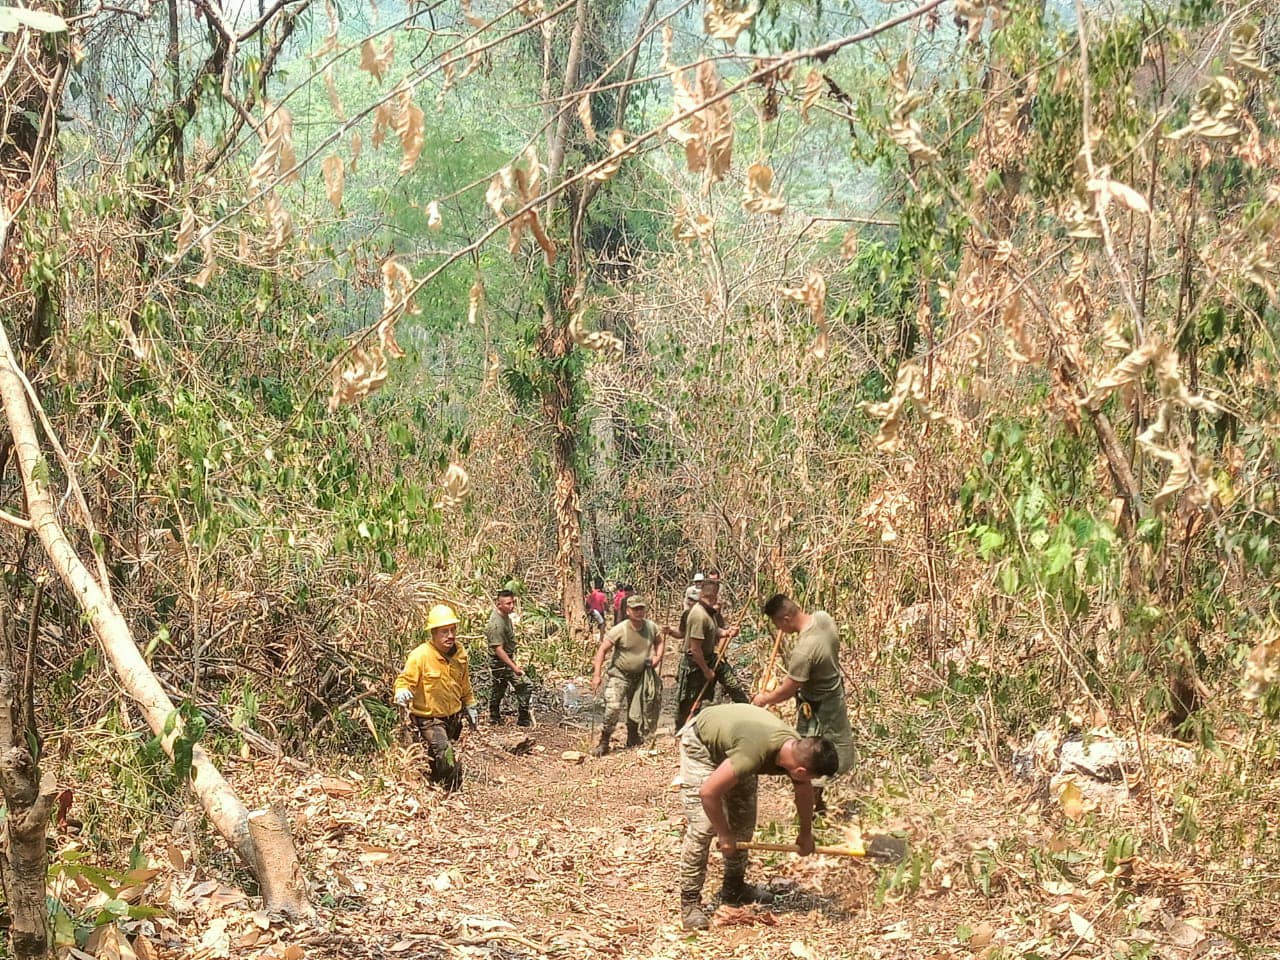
{"x":472,"y":716}
{"x":404,"y":697}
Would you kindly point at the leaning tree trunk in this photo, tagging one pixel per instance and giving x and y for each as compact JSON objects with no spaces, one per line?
{"x":275,"y":874}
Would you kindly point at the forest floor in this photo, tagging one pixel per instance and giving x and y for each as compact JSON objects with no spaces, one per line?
{"x":539,"y":856}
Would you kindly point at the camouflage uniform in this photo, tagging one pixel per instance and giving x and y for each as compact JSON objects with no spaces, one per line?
{"x":739,"y":807}
{"x":702,"y":625}
{"x":501,"y":633}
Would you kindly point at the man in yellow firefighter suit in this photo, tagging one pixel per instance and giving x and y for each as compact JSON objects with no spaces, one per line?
{"x":435,"y":687}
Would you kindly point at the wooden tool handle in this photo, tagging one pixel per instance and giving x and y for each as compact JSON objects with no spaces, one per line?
{"x":794,"y":848}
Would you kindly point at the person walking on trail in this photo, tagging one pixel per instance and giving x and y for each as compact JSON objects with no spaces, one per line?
{"x":813,"y":678}
{"x":504,"y":672}
{"x":597,"y":601}
{"x":634,"y":651}
{"x":722,"y":753}
{"x":700,"y":667}
{"x":620,"y":602}
{"x":435,"y":687}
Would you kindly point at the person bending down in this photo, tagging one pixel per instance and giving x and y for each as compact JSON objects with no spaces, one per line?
{"x":722,"y":753}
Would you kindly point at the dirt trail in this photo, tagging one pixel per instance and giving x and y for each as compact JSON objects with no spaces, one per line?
{"x":537,"y":856}
{"x":543,"y":857}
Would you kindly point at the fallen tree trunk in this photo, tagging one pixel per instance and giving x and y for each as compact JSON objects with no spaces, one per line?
{"x":221,"y":804}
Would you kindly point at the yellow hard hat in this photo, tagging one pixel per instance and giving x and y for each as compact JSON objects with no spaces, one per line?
{"x":441,"y":615}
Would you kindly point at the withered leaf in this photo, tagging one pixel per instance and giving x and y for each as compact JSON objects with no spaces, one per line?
{"x":333,"y":170}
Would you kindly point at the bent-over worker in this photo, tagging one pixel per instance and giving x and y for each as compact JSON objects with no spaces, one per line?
{"x":722,"y":753}
{"x":435,"y":686}
{"x":634,"y":649}
{"x":814,"y":678}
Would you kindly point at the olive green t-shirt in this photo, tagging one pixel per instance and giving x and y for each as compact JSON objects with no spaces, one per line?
{"x":701,"y":626}
{"x":814,"y":661}
{"x":631,"y":647}
{"x":500,"y":633}
{"x":748,"y":737}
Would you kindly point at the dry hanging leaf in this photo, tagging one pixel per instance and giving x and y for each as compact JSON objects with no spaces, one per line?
{"x":397,"y":289}
{"x":277,"y":159}
{"x":365,"y":372}
{"x":974,"y":14}
{"x":517,"y":187}
{"x":1106,"y":190}
{"x":409,"y":126}
{"x":280,"y":223}
{"x":331,"y":88}
{"x":333,"y":170}
{"x":1246,"y":50}
{"x":725,"y":21}
{"x":600,"y":341}
{"x":330,"y":42}
{"x":377,"y":62}
{"x":357,"y":144}
{"x":904,"y":129}
{"x":475,"y":56}
{"x":209,"y":264}
{"x":812,"y":90}
{"x":584,"y":117}
{"x":849,"y":245}
{"x":434,"y":220}
{"x":454,"y":486}
{"x":814,"y":296}
{"x":474,"y":298}
{"x":383,"y":118}
{"x":618,"y":151}
{"x":446,"y":72}
{"x":907,"y":389}
{"x":706,"y":135}
{"x":473,"y":21}
{"x":186,"y":235}
{"x":1126,"y":371}
{"x":759,"y":192}
{"x":1216,"y":114}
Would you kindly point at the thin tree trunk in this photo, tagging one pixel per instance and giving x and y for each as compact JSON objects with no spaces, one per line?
{"x":28,"y":798}
{"x":223,"y":807}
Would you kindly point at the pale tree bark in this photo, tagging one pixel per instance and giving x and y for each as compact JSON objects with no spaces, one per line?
{"x":223,"y":807}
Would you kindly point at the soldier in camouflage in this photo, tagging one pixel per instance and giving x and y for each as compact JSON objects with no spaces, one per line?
{"x":630,"y":648}
{"x":722,"y":752}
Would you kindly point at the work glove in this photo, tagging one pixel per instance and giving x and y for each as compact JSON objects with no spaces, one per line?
{"x":404,"y":698}
{"x":472,"y":716}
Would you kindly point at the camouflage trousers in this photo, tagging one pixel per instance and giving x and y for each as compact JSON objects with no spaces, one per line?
{"x":439,"y":735}
{"x":739,"y":807}
{"x":690,"y":682}
{"x":619,"y":688}
{"x":827,"y":718}
{"x":503,"y":677}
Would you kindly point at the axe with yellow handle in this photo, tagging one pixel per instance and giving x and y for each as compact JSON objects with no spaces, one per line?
{"x":880,"y":847}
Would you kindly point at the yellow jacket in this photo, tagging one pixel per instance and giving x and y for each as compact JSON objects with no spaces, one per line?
{"x":441,"y":686}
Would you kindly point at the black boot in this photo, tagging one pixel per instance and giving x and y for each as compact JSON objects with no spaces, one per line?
{"x":524,"y":719}
{"x":819,"y":805}
{"x":602,"y":747}
{"x":633,"y":734}
{"x":736,"y":892}
{"x":692,"y":916}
